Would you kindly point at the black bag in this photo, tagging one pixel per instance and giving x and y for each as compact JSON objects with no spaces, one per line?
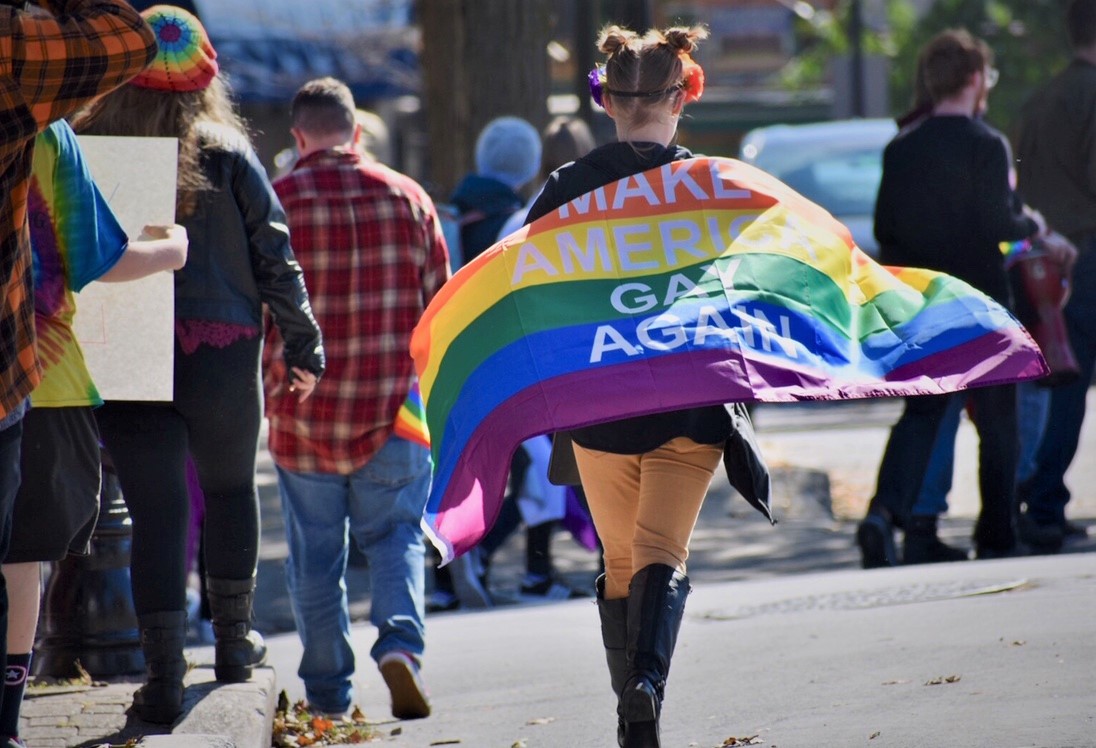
{"x":562,"y":468}
{"x":745,"y":466}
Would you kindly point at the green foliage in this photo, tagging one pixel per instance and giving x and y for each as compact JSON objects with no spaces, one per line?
{"x":1027,"y":36}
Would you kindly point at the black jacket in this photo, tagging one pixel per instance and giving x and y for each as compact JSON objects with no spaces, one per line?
{"x":240,"y":257}
{"x":945,"y":203}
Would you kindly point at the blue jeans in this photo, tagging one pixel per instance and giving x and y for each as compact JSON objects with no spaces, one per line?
{"x":1047,"y":494}
{"x":1033,"y":402}
{"x":1033,"y":411}
{"x":380,"y":506}
{"x":932,"y":500}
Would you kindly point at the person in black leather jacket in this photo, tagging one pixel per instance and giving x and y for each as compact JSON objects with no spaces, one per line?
{"x":240,"y":259}
{"x":645,"y":477}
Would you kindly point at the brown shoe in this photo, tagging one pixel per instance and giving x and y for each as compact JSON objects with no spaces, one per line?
{"x":401,"y":675}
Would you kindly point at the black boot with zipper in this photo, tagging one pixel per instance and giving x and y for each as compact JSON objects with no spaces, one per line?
{"x":238,"y":649}
{"x":656,"y":604}
{"x":163,"y":635}
{"x":614,"y":635}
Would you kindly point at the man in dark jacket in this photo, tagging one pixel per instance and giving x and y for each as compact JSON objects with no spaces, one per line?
{"x":945,"y":204}
{"x":1056,"y":146}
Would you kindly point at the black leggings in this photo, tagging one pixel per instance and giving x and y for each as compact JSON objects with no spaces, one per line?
{"x":215,"y":419}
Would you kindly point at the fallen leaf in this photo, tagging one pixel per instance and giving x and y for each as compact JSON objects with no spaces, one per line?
{"x":943,"y":679}
{"x":733,"y":742}
{"x":541,"y":721}
{"x":874,"y":735}
{"x":895,"y":682}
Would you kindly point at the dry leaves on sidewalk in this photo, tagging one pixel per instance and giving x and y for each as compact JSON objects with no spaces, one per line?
{"x":296,"y":727}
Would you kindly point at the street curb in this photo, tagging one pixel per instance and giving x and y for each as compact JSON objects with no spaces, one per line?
{"x":215,"y":715}
{"x":241,"y":713}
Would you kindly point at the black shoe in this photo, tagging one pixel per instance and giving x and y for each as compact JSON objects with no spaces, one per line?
{"x":1016,"y":550}
{"x":929,"y":549}
{"x":1073,"y":531}
{"x":1043,"y":539}
{"x":550,"y":589}
{"x":875,"y":536}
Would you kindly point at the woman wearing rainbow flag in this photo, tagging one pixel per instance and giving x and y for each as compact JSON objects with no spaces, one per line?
{"x":645,"y":477}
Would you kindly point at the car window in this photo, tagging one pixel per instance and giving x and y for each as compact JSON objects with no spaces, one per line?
{"x":842,"y":183}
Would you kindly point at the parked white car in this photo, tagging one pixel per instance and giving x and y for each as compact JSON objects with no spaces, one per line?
{"x":836,"y":164}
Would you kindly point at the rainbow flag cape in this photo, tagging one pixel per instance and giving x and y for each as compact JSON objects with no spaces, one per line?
{"x":700,"y":282}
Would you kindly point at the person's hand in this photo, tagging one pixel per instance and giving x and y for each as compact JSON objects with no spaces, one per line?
{"x":302,"y":382}
{"x":1061,"y":251}
{"x":1040,"y":222}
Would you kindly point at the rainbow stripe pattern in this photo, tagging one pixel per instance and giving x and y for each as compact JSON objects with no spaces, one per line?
{"x":410,"y":421}
{"x":703,"y":281}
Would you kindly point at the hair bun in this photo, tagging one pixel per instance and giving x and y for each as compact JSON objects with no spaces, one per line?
{"x":614,"y":38}
{"x":684,"y":38}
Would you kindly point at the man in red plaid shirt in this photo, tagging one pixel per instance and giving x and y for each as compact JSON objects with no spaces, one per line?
{"x":370,"y":244}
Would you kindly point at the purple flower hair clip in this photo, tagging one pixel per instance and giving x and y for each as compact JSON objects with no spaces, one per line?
{"x":597,"y":83}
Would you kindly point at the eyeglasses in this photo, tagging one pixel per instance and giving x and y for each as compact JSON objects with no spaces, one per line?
{"x":992,"y":75}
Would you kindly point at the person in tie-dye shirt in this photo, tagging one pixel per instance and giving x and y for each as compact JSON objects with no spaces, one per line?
{"x":75,"y":239}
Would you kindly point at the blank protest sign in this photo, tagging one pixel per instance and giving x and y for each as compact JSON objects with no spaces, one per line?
{"x":126,"y":330}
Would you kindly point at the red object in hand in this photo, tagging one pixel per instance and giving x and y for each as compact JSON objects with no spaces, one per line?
{"x":1046,"y":292}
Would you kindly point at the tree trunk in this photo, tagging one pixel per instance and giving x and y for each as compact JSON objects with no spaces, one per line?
{"x":480,"y":60}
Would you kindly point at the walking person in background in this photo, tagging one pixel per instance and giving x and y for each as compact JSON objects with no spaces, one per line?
{"x":945,"y":204}
{"x":532,"y":500}
{"x":1056,"y":146}
{"x":75,"y":239}
{"x":921,"y":541}
{"x":371,"y":246}
{"x":57,"y":58}
{"x":507,"y":156}
{"x":646,"y":477}
{"x":239,"y":259}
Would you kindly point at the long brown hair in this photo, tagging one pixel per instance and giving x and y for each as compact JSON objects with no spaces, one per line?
{"x":143,"y":112}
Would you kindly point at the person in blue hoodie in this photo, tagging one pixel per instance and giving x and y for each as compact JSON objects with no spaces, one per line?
{"x":508,"y":151}
{"x":507,"y":159}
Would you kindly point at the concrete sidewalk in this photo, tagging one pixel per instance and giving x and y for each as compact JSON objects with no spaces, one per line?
{"x":785,"y":638}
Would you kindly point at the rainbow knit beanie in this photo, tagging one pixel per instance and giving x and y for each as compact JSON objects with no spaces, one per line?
{"x":185,"y":60}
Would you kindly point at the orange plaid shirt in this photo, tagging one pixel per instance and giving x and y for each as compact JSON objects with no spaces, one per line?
{"x":50,"y":65}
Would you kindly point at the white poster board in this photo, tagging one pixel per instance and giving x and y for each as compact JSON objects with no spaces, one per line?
{"x":127,"y":329}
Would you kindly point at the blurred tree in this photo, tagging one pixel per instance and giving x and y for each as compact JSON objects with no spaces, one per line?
{"x":480,"y":60}
{"x":1027,"y":37}
{"x":1028,"y":40}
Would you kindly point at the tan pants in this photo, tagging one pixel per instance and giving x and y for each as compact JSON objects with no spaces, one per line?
{"x":645,"y":506}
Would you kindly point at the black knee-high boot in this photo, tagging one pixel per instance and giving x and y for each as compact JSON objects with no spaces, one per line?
{"x":656,"y":603}
{"x":238,"y":648}
{"x":163,"y":635}
{"x":614,"y":635}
